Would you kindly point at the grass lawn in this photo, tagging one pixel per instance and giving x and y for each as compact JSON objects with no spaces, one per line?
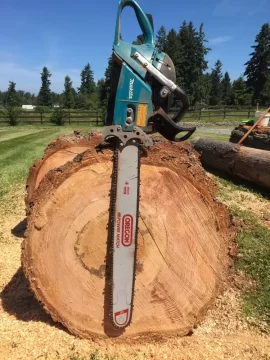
{"x":250,"y":207}
{"x":20,"y":146}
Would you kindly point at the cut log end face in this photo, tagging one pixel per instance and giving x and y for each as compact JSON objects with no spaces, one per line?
{"x":181,"y":257}
{"x":57,"y":153}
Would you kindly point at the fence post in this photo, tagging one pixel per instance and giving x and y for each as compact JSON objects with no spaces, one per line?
{"x":224,"y":113}
{"x":41,"y":118}
{"x":97,"y":118}
{"x":69,"y":116}
{"x":248,"y":112}
{"x":200,"y":114}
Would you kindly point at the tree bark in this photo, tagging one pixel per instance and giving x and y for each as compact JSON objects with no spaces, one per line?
{"x":240,"y":161}
{"x":183,"y":240}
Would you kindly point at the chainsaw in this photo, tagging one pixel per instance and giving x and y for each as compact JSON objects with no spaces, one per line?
{"x":143,"y":88}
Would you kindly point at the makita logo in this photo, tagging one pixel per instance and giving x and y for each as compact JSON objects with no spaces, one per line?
{"x":127,"y":226}
{"x":131,"y":89}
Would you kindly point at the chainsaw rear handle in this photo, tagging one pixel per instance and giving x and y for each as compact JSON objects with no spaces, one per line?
{"x":176,"y":129}
{"x":143,"y":21}
{"x":182,"y":96}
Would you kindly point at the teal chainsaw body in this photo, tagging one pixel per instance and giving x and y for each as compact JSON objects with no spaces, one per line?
{"x":143,"y":86}
{"x":144,"y":83}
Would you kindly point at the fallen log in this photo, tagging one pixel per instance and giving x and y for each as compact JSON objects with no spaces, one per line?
{"x":239,"y":161}
{"x":58,"y":152}
{"x":183,"y":241}
{"x":259,"y":138}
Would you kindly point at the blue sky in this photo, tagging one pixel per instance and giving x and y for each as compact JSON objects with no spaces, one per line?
{"x":65,"y":35}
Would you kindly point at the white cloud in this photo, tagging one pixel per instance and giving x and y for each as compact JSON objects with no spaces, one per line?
{"x":220,"y":40}
{"x":29,"y":79}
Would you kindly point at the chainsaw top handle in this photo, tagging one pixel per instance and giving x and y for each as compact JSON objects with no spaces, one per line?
{"x":143,"y":21}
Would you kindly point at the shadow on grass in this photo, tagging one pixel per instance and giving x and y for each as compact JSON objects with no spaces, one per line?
{"x":228,"y":179}
{"x":19,"y":301}
{"x":19,"y":229}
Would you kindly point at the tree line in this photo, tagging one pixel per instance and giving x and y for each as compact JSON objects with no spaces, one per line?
{"x":188,"y":49}
{"x":84,"y":97}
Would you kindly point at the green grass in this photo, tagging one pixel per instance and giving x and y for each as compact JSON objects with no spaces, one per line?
{"x":19,"y":147}
{"x":7,"y":135}
{"x":254,"y":247}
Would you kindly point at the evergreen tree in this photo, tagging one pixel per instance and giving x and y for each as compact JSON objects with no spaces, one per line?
{"x":173,"y":49}
{"x":85,"y":102}
{"x":11,"y":96}
{"x":2,"y":97}
{"x":226,"y":89}
{"x":181,"y":63}
{"x":88,"y":85}
{"x":44,"y":96}
{"x":100,"y":89}
{"x":23,"y":98}
{"x":68,"y":94}
{"x":191,"y":63}
{"x":202,"y":86}
{"x":216,"y":89}
{"x":241,"y":94}
{"x":161,"y":39}
{"x":105,"y":85}
{"x":55,"y":98}
{"x":172,"y":44}
{"x":205,"y":89}
{"x":257,"y":68}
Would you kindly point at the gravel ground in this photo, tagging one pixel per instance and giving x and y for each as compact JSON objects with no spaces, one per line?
{"x":218,"y":131}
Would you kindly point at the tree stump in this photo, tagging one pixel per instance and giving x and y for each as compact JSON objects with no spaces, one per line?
{"x":57,"y":153}
{"x":183,"y":239}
